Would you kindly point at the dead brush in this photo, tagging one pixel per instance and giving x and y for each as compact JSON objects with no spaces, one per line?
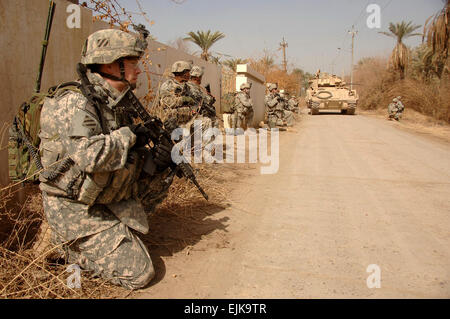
{"x":377,"y":87}
{"x":25,"y":274}
{"x":425,"y":98}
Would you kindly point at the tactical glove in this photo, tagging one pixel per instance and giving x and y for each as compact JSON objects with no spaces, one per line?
{"x":170,"y":124}
{"x":162,"y":156}
{"x":141,"y":133}
{"x":187,"y":100}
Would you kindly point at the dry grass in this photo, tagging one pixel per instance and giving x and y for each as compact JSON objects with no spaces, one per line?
{"x":425,"y":98}
{"x":377,"y":87}
{"x":25,"y":275}
{"x":417,"y":122}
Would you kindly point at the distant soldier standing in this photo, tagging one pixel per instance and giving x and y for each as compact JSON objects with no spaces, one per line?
{"x":249,"y":112}
{"x":175,"y":97}
{"x":272,"y":102}
{"x":204,"y":103}
{"x":203,"y":98}
{"x":242,"y":104}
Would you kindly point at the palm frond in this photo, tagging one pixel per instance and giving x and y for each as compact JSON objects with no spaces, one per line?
{"x":437,"y":34}
{"x":205,"y":40}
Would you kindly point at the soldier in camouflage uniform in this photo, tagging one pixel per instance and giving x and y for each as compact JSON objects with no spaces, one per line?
{"x":286,"y":114}
{"x":95,"y":196}
{"x":271,"y":101}
{"x":249,"y":112}
{"x":204,"y":101}
{"x":243,"y":107}
{"x":293,"y":104}
{"x":175,"y":98}
{"x":395,"y":109}
{"x":203,"y":98}
{"x":400,"y":108}
{"x":275,"y":105}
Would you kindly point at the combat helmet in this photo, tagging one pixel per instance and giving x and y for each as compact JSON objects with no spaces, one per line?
{"x":272,"y":86}
{"x":196,"y":71}
{"x":395,"y":99}
{"x":181,"y":66}
{"x":245,"y":85}
{"x":107,"y":46}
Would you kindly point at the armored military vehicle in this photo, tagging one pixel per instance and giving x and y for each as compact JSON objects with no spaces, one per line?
{"x":329,"y":92}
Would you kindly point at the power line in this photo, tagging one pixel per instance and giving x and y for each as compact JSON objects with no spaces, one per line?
{"x":354,"y":24}
{"x":386,"y":6}
{"x":357,"y":21}
{"x":360,"y":14}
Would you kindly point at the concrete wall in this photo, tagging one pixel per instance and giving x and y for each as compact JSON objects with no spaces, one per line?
{"x":257,"y":93}
{"x":22,"y":30}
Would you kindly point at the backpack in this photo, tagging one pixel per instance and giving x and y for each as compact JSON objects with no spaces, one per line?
{"x":23,"y":145}
{"x":228,"y":102}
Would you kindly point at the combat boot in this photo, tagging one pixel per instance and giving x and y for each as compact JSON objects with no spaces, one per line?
{"x":43,"y":246}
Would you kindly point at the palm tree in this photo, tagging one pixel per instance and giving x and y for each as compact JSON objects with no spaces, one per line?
{"x":205,"y":41}
{"x":268,"y":62}
{"x":265,"y":64}
{"x":438,"y":34}
{"x":232,"y":63}
{"x":400,"y":55}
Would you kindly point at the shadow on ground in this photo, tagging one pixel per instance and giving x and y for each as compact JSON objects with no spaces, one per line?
{"x":177,"y":228}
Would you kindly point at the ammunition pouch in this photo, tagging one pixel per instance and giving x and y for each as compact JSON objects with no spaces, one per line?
{"x":122,"y":181}
{"x":64,"y":178}
{"x":153,"y":190}
{"x":184,"y":114}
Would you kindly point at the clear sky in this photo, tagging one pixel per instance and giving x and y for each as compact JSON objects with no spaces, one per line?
{"x":314,"y":30}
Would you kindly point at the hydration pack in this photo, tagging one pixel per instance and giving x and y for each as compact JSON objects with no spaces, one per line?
{"x":23,"y":145}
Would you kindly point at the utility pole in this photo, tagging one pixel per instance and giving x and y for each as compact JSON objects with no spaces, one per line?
{"x":353,"y":33}
{"x":284,"y":46}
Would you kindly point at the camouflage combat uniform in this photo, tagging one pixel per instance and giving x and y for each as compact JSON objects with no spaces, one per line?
{"x":201,"y":98}
{"x":395,"y":109}
{"x":274,"y":107}
{"x":293,"y":105}
{"x":271,"y":101}
{"x":173,"y":98}
{"x":285,"y":112}
{"x":92,"y":189}
{"x":243,"y":108}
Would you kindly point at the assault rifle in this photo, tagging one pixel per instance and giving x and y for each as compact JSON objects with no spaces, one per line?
{"x":206,"y":108}
{"x":128,"y":102}
{"x":157,"y":134}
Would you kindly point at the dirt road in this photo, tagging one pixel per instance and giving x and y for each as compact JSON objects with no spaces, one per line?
{"x":351,"y":191}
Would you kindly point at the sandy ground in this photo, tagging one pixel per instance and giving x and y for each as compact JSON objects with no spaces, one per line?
{"x":351,"y":191}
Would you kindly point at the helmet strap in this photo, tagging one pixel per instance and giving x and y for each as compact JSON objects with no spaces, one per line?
{"x":116,"y":78}
{"x":122,"y":70}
